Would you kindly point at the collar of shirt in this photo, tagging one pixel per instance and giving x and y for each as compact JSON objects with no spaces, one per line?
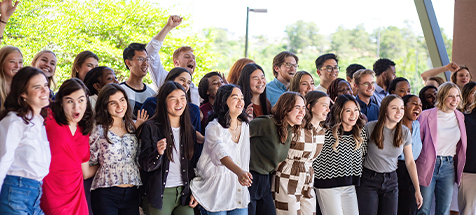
{"x":279,"y":84}
{"x":380,"y":90}
{"x":362,"y":103}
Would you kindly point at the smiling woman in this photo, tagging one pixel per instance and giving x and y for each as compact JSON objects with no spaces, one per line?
{"x":11,"y":60}
{"x":253,"y":85}
{"x":46,"y":61}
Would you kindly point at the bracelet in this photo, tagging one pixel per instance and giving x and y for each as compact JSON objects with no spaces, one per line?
{"x":3,"y":21}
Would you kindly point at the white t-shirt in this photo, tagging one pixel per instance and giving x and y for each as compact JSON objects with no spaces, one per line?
{"x":448,"y":134}
{"x":174,"y":178}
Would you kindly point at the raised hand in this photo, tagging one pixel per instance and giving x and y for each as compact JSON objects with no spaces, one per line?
{"x":249,"y":111}
{"x":174,"y":21}
{"x":142,"y":116}
{"x":223,"y":78}
{"x":7,"y":9}
{"x":245,"y":178}
{"x":452,"y":67}
{"x":161,"y":144}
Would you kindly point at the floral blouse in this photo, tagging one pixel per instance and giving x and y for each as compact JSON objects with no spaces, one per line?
{"x":118,"y":162}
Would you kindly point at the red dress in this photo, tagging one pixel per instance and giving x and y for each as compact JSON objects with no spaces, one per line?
{"x":63,"y":190}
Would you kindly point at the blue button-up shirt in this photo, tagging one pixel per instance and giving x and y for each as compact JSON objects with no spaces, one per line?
{"x":378,"y":95}
{"x":371,"y":110}
{"x":416,"y":141}
{"x":274,"y":90}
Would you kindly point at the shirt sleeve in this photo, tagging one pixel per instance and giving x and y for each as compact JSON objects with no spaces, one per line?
{"x":157,"y":71}
{"x":94,"y":145}
{"x":214,"y":144}
{"x":11,"y":133}
{"x":149,"y":157}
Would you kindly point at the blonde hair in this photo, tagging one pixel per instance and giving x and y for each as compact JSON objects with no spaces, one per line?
{"x":180,"y":50}
{"x":51,"y":79}
{"x":357,"y":75}
{"x":4,"y":52}
{"x":442,"y":94}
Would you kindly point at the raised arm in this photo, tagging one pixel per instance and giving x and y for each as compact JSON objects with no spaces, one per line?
{"x":436,"y":71}
{"x":6,"y":9}
{"x":157,"y":71}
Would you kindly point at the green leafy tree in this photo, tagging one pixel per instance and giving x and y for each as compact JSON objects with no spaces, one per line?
{"x":104,"y":27}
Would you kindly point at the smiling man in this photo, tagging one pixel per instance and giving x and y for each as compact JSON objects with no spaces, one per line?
{"x":137,"y":61}
{"x":285,"y":65}
{"x":365,"y":84}
{"x":182,"y":57}
{"x":327,"y":69}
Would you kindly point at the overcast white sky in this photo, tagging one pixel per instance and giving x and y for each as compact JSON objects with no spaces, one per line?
{"x":328,"y":15}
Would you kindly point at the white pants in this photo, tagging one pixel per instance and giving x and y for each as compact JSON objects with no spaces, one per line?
{"x":467,"y":194}
{"x":338,"y":201}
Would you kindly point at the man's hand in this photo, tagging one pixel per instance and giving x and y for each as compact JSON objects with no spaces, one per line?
{"x":174,"y":21}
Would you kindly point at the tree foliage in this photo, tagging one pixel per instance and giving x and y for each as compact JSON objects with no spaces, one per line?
{"x":104,"y":27}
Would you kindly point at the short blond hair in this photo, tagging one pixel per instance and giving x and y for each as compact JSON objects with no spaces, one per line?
{"x":442,"y":94}
{"x":180,"y":50}
{"x":51,"y":80}
{"x":357,"y":75}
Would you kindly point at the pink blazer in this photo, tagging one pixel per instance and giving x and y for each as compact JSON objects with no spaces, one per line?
{"x":428,"y":131}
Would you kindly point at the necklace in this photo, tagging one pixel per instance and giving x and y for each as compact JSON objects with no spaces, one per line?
{"x":235,"y":135}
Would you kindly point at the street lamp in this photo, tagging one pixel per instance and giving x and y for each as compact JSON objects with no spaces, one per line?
{"x":247,"y":15}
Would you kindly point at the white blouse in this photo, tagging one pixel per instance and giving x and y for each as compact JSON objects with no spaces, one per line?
{"x":24,"y":148}
{"x":118,"y":161}
{"x":216,"y":187}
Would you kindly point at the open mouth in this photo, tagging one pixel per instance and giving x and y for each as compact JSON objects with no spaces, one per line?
{"x":178,"y":108}
{"x":144,"y":69}
{"x":46,"y":70}
{"x":76,"y":115}
{"x":191,"y":66}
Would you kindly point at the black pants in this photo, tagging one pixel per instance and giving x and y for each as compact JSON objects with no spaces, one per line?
{"x":115,"y":200}
{"x":378,"y":193}
{"x":261,"y":200}
{"x":406,"y":192}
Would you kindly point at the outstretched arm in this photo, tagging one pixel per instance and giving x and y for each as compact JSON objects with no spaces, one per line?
{"x":6,"y":9}
{"x":172,"y":22}
{"x":157,"y":71}
{"x":435,"y":71}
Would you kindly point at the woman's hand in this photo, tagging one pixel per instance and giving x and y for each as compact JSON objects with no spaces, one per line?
{"x":142,"y":116}
{"x":419,"y":199}
{"x":193,"y":202}
{"x":245,"y":178}
{"x":249,"y":111}
{"x":161,"y":144}
{"x":7,"y":9}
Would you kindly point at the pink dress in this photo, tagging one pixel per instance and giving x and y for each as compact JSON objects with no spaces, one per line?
{"x":63,"y":190}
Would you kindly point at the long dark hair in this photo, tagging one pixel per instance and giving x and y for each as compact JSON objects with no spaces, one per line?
{"x":14,"y":101}
{"x":203,"y":85}
{"x":161,"y":116}
{"x":102,"y":114}
{"x":176,"y":72}
{"x":465,"y":93}
{"x":311,"y":98}
{"x":244,"y":83}
{"x":68,"y":87}
{"x":334,"y":121}
{"x":221,"y":109}
{"x":285,"y":104}
{"x":377,"y":133}
{"x":424,"y":102}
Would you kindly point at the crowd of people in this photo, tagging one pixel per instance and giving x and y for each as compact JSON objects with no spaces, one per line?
{"x":235,"y":145}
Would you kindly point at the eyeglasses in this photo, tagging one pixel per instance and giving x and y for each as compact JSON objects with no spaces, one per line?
{"x":141,"y":59}
{"x":368,"y":84}
{"x":331,"y":69}
{"x":289,"y":65}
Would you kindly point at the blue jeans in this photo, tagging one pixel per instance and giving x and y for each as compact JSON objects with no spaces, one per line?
{"x":441,"y":185}
{"x":240,"y":211}
{"x":20,"y":196}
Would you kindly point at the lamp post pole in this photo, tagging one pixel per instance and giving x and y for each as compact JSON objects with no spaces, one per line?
{"x":247,"y":17}
{"x":246,"y":37}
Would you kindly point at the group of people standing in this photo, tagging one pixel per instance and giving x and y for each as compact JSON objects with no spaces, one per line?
{"x":235,"y":145}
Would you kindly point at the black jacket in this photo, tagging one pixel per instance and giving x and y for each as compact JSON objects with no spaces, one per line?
{"x":155,"y":167}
